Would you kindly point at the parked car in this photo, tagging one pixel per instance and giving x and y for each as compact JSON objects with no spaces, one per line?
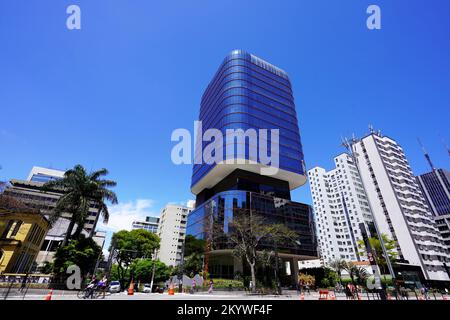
{"x":147,"y":288}
{"x":114,"y":287}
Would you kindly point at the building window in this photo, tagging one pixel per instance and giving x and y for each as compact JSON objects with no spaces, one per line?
{"x":13,"y":226}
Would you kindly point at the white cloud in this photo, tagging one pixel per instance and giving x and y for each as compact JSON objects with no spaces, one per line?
{"x":122,"y":215}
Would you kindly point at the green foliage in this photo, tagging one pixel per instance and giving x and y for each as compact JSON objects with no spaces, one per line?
{"x":194,"y":245}
{"x":80,"y":191}
{"x":390,"y":246}
{"x":83,"y":252}
{"x":115,"y":275}
{"x":193,"y":264}
{"x":338,"y":265}
{"x":249,"y":232}
{"x":129,"y":246}
{"x":143,"y":269}
{"x":134,"y":244}
{"x":226,"y":284}
{"x":324,"y":277}
{"x":47,"y":268}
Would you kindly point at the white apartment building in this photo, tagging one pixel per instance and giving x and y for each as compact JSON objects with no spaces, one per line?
{"x":340,"y":207}
{"x":398,"y":205}
{"x":172,"y":231}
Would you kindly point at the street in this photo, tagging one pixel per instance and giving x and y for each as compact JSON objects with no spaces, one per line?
{"x":40,"y":294}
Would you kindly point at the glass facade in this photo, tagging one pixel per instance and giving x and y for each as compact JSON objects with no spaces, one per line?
{"x":249,"y":93}
{"x":222,"y":207}
{"x":436,"y":187}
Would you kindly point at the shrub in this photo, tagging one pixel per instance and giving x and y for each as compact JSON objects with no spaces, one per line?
{"x":225,"y":284}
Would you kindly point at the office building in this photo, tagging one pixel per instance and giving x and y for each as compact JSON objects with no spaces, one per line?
{"x":172,"y":231}
{"x":150,"y":224}
{"x":30,"y":193}
{"x":249,"y":93}
{"x":399,"y":207}
{"x":435,"y":187}
{"x":340,"y":207}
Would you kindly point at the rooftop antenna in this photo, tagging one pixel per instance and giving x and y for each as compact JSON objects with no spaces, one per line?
{"x":371,"y":129}
{"x":425,"y":153}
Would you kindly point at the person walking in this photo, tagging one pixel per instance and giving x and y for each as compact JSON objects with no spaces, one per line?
{"x":348,"y":292}
{"x":211,"y":284}
{"x":193,"y":286}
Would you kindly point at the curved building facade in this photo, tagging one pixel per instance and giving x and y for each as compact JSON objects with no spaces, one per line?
{"x":249,"y":93}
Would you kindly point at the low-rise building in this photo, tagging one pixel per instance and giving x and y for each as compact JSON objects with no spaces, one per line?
{"x":22,"y":231}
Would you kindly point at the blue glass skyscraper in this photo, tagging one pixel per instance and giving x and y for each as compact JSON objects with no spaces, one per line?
{"x":249,"y":93}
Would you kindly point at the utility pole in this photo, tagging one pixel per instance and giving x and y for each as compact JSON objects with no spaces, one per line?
{"x":153,"y":271}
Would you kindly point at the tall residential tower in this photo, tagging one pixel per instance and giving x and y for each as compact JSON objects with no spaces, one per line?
{"x":340,"y":206}
{"x":399,"y":207}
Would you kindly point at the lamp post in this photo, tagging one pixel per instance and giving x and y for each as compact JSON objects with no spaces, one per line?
{"x":180,"y":275}
{"x":153,"y":271}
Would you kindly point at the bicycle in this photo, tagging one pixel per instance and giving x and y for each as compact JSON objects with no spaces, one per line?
{"x":92,"y":292}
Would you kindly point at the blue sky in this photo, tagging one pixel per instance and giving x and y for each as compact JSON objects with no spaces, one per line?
{"x":110,"y":95}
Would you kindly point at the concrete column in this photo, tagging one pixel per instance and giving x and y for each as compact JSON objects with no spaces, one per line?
{"x":294,"y":270}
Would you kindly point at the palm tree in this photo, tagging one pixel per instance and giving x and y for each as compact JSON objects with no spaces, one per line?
{"x":362,"y":275}
{"x":81,"y":190}
{"x":352,"y":270}
{"x":338,"y":265}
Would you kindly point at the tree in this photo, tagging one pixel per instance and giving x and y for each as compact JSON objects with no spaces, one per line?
{"x":47,"y":268}
{"x":82,"y":252}
{"x":193,"y":264}
{"x":338,"y":265}
{"x":126,"y":246}
{"x":391,"y":249}
{"x":143,"y":269}
{"x":361,"y":276}
{"x":247,"y":234}
{"x":352,"y":271}
{"x":81,"y":190}
{"x":193,"y":245}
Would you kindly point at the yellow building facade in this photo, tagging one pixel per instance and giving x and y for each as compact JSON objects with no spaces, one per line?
{"x":22,"y":233}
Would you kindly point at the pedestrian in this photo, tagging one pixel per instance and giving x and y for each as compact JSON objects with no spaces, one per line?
{"x":211,"y":284}
{"x":193,"y":286}
{"x":348,"y":292}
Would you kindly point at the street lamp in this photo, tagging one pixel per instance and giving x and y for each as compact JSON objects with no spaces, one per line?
{"x":153,"y":271}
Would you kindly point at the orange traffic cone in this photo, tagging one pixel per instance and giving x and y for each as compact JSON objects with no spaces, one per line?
{"x":131,"y":289}
{"x":302,"y":296}
{"x":49,"y":295}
